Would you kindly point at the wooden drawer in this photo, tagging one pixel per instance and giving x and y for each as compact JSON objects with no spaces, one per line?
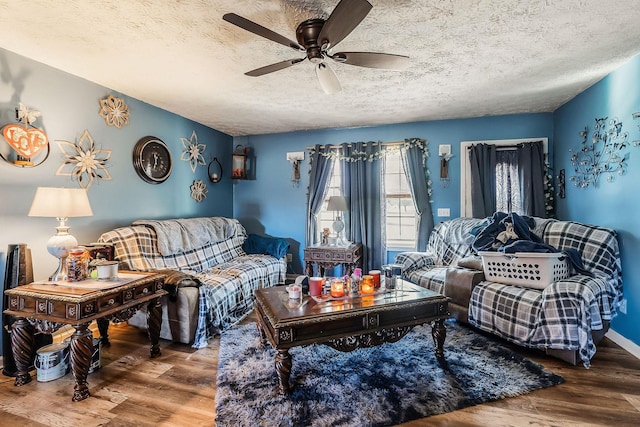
{"x":109,"y":301}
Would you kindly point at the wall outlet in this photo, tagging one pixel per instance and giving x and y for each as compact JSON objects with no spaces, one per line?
{"x":444,"y":212}
{"x":623,"y":306}
{"x":289,"y":257}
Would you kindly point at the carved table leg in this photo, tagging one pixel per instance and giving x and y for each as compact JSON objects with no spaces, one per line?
{"x":81,"y":351}
{"x":22,"y":344}
{"x":103,"y":327}
{"x":283,"y":369}
{"x":154,"y":320}
{"x":439,"y":333}
{"x":309,"y":269}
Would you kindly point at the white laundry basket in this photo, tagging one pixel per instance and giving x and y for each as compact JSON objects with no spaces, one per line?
{"x":527,"y":269}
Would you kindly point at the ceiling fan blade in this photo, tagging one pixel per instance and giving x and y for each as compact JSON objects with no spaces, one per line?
{"x":345,"y":17}
{"x":373,"y":60}
{"x":258,"y":29}
{"x":274,"y":67}
{"x":327,"y":78}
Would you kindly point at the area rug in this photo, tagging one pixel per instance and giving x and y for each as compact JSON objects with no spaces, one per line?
{"x":385,"y":385}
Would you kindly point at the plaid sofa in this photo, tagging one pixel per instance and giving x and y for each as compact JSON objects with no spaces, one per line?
{"x":566,"y":319}
{"x":214,"y":283}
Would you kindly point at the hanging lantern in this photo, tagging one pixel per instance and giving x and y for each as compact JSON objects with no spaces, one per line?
{"x":239,"y":162}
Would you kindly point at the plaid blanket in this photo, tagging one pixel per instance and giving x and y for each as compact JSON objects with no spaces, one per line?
{"x":229,"y":276}
{"x":562,"y":315}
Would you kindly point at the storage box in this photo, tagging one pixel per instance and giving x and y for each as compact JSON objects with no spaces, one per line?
{"x":527,"y":269}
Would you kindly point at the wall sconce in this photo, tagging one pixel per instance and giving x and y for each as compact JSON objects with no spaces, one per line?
{"x":444,"y":151}
{"x":239,"y":162}
{"x":214,"y":170}
{"x":295,"y":158}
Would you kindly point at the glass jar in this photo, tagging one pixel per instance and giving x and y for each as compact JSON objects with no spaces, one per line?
{"x":367,"y":286}
{"x":77,"y":264}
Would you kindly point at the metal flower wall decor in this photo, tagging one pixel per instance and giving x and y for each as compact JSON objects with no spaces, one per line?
{"x":198,"y":190}
{"x":84,"y":162}
{"x":605,"y":154}
{"x":193,"y":151}
{"x":114,"y":111}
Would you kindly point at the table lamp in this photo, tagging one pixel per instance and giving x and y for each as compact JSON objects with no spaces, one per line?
{"x":60,"y":203}
{"x":338,"y":204}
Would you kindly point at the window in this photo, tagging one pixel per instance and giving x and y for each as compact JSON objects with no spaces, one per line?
{"x":397,"y":203}
{"x":508,"y":198}
{"x":326,"y":217}
{"x":399,"y":209}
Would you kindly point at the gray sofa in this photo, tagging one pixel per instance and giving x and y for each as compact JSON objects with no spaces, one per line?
{"x":211,"y":276}
{"x":565,"y":319}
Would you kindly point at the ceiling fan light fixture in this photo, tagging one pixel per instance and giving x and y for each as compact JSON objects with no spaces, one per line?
{"x":317,"y":36}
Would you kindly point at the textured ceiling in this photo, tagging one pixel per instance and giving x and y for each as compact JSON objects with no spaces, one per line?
{"x":469,"y":58}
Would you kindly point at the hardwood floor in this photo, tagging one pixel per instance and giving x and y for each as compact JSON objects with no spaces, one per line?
{"x":178,"y":389}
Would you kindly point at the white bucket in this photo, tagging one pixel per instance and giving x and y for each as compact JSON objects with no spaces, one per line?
{"x":52,"y":361}
{"x":95,"y":357}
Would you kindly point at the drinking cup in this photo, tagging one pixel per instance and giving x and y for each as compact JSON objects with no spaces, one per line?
{"x":315,"y":286}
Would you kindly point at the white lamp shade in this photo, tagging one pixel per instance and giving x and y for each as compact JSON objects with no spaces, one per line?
{"x":337,"y":203}
{"x":60,"y":202}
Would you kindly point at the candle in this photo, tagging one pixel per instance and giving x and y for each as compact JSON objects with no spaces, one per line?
{"x":337,"y":288}
{"x":367,"y":286}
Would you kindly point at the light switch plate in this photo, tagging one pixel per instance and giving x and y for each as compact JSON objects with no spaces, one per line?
{"x":444,"y":212}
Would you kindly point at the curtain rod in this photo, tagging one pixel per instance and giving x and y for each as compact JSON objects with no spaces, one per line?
{"x":349,"y":145}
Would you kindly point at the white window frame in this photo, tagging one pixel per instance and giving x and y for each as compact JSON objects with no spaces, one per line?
{"x":465,"y":166}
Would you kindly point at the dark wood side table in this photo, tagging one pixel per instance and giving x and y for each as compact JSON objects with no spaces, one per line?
{"x":46,"y":306}
{"x":327,"y":256}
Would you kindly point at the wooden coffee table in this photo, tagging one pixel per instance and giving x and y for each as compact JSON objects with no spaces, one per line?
{"x":345,"y":325}
{"x":46,"y":306}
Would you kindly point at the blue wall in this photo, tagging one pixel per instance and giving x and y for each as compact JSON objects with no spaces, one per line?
{"x":612,"y":204}
{"x":69,"y":106}
{"x":269,"y":204}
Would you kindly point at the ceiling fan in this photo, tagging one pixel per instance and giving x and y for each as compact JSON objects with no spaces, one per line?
{"x":317,"y":36}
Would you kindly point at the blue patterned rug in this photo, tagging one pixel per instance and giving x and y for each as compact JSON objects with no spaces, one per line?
{"x":380,"y":386}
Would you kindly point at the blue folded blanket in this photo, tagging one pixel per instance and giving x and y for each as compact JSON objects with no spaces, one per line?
{"x":274,"y":246}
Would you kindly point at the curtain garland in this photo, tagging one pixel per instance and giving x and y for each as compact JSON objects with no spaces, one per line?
{"x":549,"y":189}
{"x":358,"y":156}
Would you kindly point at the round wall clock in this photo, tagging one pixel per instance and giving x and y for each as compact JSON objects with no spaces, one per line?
{"x":152,"y":160}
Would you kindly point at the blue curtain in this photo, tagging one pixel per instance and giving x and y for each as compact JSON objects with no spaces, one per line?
{"x":361,"y":185}
{"x":413,"y":159}
{"x":483,"y":180}
{"x":319,"y":176}
{"x":531,"y":171}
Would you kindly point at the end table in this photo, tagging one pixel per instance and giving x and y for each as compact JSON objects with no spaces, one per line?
{"x":329,"y":256}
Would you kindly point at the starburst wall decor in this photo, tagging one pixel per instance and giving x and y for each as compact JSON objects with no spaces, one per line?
{"x":84,"y":162}
{"x":193,"y":151}
{"x":114,"y":111}
{"x":198,"y":190}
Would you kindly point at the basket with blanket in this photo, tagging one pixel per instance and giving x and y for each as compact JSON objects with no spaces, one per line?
{"x":213,"y":268}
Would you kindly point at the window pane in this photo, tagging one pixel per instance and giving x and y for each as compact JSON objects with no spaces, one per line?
{"x":400,"y":214}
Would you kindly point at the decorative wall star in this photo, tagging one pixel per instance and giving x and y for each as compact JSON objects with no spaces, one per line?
{"x":84,"y":162}
{"x":198,"y":190}
{"x":114,"y":111}
{"x":193,"y":151}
